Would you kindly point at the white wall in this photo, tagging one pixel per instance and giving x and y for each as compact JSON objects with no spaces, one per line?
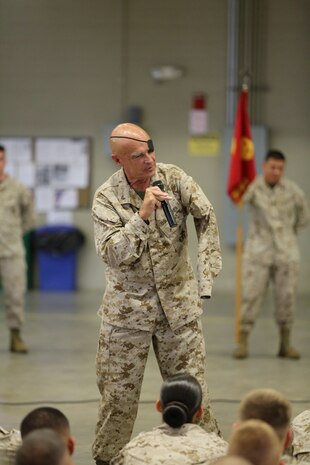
{"x":71,"y":67}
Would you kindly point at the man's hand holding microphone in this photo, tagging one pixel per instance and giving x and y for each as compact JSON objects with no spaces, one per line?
{"x":155,"y":197}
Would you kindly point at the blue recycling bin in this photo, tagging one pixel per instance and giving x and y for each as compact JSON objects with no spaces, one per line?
{"x":57,"y":247}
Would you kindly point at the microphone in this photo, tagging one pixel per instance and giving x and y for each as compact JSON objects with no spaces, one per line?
{"x":166,"y":205}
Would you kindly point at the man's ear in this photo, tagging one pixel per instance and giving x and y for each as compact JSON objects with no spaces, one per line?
{"x":288,"y":439}
{"x":116,"y":159}
{"x":235,"y":425}
{"x":71,"y":445}
{"x":158,"y":406}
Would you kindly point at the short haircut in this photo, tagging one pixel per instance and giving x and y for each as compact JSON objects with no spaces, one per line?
{"x":2,"y":148}
{"x":180,"y":398}
{"x":267,"y":405}
{"x":275,"y":155}
{"x":257,"y":442}
{"x":41,"y":447}
{"x":45,"y":417}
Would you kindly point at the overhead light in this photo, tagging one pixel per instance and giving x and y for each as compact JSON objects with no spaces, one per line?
{"x":164,"y":73}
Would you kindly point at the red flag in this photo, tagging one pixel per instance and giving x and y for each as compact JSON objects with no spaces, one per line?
{"x":242,"y":161}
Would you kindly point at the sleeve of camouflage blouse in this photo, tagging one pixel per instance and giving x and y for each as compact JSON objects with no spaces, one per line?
{"x":209,"y":251}
{"x":249,"y":194}
{"x":117,"y":243}
{"x":118,"y":459}
{"x":302,"y":210}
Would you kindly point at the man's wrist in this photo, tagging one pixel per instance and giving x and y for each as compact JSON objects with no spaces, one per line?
{"x":144,"y":218}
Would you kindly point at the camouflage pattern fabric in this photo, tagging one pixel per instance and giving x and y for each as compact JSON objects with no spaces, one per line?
{"x":145,"y":261}
{"x":13,"y":274}
{"x":301,"y":439}
{"x":10,"y":441}
{"x":17,"y":217}
{"x":271,"y":250}
{"x":151,"y":296}
{"x":256,"y":278}
{"x":287,"y":459}
{"x":276,"y":216}
{"x":187,"y":445}
{"x":121,"y":358}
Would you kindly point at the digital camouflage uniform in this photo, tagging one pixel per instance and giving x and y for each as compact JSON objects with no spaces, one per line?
{"x":187,"y":445}
{"x":151,"y":296}
{"x":17,"y":217}
{"x":10,"y":441}
{"x":301,"y":437}
{"x":287,"y":459}
{"x":271,"y":250}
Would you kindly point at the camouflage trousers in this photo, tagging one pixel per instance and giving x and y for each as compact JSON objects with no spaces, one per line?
{"x":13,"y":276}
{"x":121,"y":359}
{"x":255,"y":280}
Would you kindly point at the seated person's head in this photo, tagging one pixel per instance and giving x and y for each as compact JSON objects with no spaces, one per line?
{"x":48,"y":417}
{"x":270,"y":406}
{"x":180,"y":400}
{"x":41,"y":447}
{"x":257,"y":442}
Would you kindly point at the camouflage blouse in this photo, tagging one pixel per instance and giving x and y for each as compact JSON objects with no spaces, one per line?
{"x":187,"y":445}
{"x":147,"y":262}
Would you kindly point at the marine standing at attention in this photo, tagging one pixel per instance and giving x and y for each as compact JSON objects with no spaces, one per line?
{"x":17,"y":217}
{"x":278,"y":210}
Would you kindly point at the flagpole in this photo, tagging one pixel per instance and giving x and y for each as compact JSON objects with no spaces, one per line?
{"x":238,"y":290}
{"x":241,"y":174}
{"x":239,"y":247}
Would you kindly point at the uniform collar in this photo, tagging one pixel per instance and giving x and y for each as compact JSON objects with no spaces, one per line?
{"x":126,"y":193}
{"x":279,"y":184}
{"x":4,"y":181}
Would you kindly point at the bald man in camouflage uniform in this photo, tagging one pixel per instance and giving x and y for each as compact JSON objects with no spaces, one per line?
{"x":17,"y":217}
{"x":151,"y":295}
{"x":278,"y":210}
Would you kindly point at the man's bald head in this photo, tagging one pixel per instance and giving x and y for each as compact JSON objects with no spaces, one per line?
{"x":130,"y":130}
{"x":133,"y":150}
{"x":125,"y":133}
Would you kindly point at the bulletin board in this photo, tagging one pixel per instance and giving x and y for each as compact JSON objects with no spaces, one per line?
{"x":57,"y":169}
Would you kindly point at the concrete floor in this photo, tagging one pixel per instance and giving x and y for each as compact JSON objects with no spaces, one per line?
{"x":61,"y":330}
